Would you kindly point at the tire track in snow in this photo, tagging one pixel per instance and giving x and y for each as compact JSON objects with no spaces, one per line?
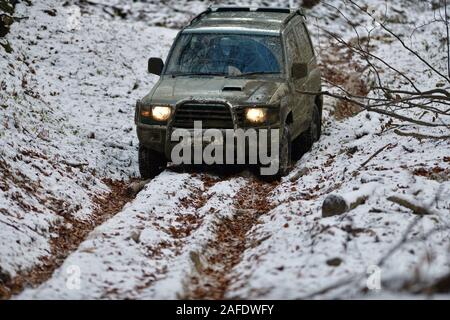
{"x":219,"y":205}
{"x":211,"y":276}
{"x":70,"y":233}
{"x":140,"y":246}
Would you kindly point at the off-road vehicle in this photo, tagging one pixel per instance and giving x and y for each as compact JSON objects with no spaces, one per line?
{"x":234,"y":68}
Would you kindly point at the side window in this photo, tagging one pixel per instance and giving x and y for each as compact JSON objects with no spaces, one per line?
{"x":304,"y":42}
{"x":291,"y":48}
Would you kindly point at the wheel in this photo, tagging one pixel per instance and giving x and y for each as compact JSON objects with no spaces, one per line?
{"x":317,"y":121}
{"x":151,"y":163}
{"x":285,"y":156}
{"x":319,"y":105}
{"x":319,"y":125}
{"x":285,"y":152}
{"x":303,"y":144}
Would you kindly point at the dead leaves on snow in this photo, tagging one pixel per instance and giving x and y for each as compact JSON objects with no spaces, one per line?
{"x":70,"y":233}
{"x":224,"y":252}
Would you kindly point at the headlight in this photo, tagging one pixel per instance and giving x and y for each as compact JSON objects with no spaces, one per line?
{"x":256,"y":115}
{"x":158,"y":113}
{"x":161,"y":113}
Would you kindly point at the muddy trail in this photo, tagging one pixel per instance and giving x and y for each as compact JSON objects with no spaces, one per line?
{"x":212,"y":273}
{"x":222,"y":248}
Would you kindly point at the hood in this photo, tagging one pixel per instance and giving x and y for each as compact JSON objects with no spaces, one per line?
{"x":236,"y":91}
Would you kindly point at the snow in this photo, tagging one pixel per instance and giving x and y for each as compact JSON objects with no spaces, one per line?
{"x":89,"y":69}
{"x":83,"y":115}
{"x":113,"y":263}
{"x":361,"y":237}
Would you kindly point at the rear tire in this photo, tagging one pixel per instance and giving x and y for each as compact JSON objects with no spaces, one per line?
{"x":285,"y":156}
{"x":151,"y":163}
{"x":319,"y":105}
{"x":319,"y":125}
{"x":305,"y":141}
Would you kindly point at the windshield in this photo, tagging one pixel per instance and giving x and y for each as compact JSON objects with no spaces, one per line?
{"x":225,"y":55}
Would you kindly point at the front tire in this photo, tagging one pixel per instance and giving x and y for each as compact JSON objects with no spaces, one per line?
{"x":151,"y":163}
{"x":285,"y":152}
{"x":284,"y":157}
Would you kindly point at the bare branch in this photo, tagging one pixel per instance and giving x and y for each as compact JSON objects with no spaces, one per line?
{"x":375,"y":108}
{"x":420,"y":136}
{"x":416,"y":208}
{"x":375,"y":154}
{"x":365,"y":53}
{"x":396,"y":36}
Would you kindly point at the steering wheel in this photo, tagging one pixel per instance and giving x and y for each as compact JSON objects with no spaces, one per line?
{"x":210,"y":66}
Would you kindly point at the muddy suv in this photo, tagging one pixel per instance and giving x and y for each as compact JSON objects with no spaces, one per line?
{"x":234,"y":68}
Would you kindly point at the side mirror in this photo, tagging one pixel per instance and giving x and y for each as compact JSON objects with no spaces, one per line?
{"x":155,"y":66}
{"x":299,"y":70}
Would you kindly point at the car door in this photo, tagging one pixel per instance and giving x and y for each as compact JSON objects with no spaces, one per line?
{"x":312,"y":82}
{"x":298,"y":100}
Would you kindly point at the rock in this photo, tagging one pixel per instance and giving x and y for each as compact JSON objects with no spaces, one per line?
{"x":359,"y":201}
{"x":334,"y":205}
{"x":335,"y":262}
{"x":302,"y":172}
{"x":135,"y":187}
{"x":136,"y":236}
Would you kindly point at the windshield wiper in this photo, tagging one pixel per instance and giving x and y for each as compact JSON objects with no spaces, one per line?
{"x":197,"y":74}
{"x":253,"y":73}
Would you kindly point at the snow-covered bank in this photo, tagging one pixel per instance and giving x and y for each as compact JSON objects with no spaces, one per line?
{"x":306,"y":253}
{"x":67,"y":105}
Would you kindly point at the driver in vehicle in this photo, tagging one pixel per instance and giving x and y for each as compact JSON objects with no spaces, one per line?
{"x":227,"y":55}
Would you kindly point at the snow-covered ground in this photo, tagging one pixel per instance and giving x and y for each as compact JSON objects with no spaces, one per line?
{"x":68,"y":95}
{"x":66,"y":104}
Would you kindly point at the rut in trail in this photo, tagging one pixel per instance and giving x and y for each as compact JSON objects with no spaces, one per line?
{"x":211,"y":277}
{"x":68,"y":239}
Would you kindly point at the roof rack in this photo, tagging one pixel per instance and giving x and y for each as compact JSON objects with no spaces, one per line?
{"x":252,"y":9}
{"x":231,"y":9}
{"x":280,"y":10}
{"x":292,"y":13}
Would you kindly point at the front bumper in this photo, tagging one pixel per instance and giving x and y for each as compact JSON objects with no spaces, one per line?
{"x":159,"y":137}
{"x":152,"y":136}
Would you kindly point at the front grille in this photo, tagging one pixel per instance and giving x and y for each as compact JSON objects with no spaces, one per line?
{"x":212,"y":116}
{"x":240,"y":117}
